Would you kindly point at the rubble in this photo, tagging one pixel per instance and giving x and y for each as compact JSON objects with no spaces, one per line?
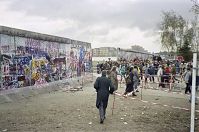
{"x":66,"y":85}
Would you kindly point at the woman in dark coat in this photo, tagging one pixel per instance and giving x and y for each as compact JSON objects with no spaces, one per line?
{"x":103,"y":88}
{"x":129,"y":85}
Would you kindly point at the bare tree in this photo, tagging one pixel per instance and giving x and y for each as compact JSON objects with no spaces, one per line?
{"x":173,"y":28}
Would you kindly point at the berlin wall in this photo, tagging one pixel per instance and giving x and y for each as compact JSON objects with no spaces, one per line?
{"x":129,"y":54}
{"x":29,"y":58}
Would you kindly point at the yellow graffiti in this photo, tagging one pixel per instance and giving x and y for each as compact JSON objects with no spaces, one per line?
{"x":27,"y":70}
{"x":38,"y":63}
{"x":36,"y":76}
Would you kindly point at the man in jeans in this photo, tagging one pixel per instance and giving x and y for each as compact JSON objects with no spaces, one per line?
{"x":151,"y":73}
{"x":187,"y":78}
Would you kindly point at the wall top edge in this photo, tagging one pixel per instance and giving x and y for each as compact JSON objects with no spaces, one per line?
{"x":39,"y":36}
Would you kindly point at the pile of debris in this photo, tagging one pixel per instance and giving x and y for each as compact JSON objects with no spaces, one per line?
{"x":74,"y":87}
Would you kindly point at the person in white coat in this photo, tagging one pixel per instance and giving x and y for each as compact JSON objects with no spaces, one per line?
{"x":160,"y":73}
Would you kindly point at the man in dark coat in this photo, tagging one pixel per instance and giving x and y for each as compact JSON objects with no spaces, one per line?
{"x":103,"y":88}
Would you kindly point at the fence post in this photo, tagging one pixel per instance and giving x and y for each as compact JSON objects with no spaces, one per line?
{"x":1,"y":81}
{"x":142,"y":88}
{"x":121,"y":82}
{"x":170,"y":83}
{"x":193,"y":92}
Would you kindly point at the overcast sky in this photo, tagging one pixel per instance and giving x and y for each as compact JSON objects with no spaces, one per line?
{"x":115,"y":23}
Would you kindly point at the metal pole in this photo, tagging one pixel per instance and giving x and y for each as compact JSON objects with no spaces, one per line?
{"x":142,"y":88}
{"x":15,"y":53}
{"x":31,"y":70}
{"x":1,"y":80}
{"x":193,"y":93}
{"x":113,"y":103}
{"x":121,"y":82}
{"x":195,"y":10}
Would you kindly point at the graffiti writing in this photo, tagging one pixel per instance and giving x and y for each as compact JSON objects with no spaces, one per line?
{"x":32,"y":43}
{"x":5,"y":48}
{"x":37,"y":61}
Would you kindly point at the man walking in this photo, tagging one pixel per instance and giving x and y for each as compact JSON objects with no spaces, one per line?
{"x":188,"y":81}
{"x":103,"y":88}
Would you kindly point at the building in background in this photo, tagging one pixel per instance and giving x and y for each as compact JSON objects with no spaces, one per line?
{"x":104,"y":52}
{"x":129,"y":54}
{"x":139,"y":49}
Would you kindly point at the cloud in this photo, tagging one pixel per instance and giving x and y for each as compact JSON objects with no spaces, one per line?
{"x":33,"y":23}
{"x":104,"y":23}
{"x":125,"y":13}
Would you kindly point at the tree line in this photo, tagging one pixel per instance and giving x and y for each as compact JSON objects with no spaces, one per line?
{"x":178,"y":34}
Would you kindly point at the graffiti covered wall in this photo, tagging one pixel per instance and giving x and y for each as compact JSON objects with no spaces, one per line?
{"x":27,"y":61}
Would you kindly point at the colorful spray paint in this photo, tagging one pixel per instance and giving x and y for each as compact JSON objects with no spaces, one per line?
{"x":27,"y":61}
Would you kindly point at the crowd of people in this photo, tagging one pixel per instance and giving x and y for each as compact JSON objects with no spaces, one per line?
{"x":132,"y":72}
{"x":156,"y":70}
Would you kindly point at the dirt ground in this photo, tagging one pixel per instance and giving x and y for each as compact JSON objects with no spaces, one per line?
{"x":75,"y":111}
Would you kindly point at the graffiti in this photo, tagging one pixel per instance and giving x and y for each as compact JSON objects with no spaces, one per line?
{"x":24,"y":60}
{"x":82,"y":52}
{"x":52,"y":49}
{"x":35,"y":62}
{"x":35,"y":44}
{"x":8,"y":71}
{"x":5,"y":48}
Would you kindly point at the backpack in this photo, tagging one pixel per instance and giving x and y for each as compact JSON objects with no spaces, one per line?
{"x":167,"y":70}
